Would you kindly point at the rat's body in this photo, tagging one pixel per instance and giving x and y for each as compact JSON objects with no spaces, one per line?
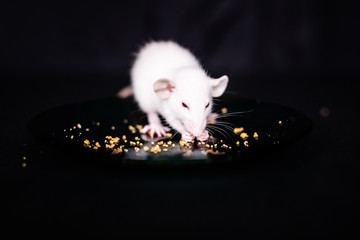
{"x":168,"y":80}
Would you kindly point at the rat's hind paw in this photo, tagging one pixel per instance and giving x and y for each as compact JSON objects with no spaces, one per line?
{"x":157,"y":129}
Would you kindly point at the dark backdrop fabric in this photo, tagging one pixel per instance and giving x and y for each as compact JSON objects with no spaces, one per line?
{"x":303,"y":54}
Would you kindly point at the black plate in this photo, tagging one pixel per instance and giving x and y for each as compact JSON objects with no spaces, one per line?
{"x":275,"y":125}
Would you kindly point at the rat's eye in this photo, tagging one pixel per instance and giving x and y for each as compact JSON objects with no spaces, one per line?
{"x":185,"y":106}
{"x":207,"y":105}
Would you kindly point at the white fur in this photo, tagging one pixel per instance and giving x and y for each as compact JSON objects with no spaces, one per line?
{"x":188,"y":83}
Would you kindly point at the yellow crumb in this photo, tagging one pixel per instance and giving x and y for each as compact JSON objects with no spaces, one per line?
{"x":155,"y":149}
{"x":244,"y":136}
{"x":238,"y":130}
{"x":87,"y":129}
{"x":224,"y":110}
{"x":78,"y":125}
{"x":168,"y":135}
{"x":238,"y":143}
{"x":112,"y":127}
{"x":215,"y":152}
{"x":256,"y":136}
{"x":280,"y":123}
{"x":146,"y":148}
{"x":86,"y":141}
{"x":139,"y":127}
{"x":132,"y":129}
{"x":246,"y":143}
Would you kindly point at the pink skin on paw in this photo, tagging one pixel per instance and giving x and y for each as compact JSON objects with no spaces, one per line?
{"x":155,"y":128}
{"x":204,"y":136}
{"x":187,"y":136}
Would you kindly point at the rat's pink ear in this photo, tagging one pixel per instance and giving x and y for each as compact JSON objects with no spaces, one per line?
{"x":218,"y":86}
{"x":164,"y":88}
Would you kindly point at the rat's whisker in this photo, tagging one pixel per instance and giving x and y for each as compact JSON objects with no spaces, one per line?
{"x":220,"y":132}
{"x":218,"y":129}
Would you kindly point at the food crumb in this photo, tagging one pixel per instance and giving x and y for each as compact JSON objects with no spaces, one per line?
{"x":244,"y":136}
{"x":78,"y":125}
{"x":237,"y":143}
{"x":139,"y":127}
{"x":146,"y":148}
{"x":256,"y":136}
{"x":155,"y":149}
{"x":280,"y":123}
{"x":112,"y":127}
{"x":168,"y":135}
{"x":87,"y":129}
{"x":24,"y":158}
{"x":246,"y":143}
{"x":132,"y":129}
{"x":23,"y":165}
{"x":224,"y":110}
{"x":238,"y":130}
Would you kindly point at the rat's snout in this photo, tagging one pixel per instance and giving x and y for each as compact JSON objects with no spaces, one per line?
{"x":198,"y":128}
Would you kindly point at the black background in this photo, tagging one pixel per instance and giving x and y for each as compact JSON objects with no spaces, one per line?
{"x":303,"y":54}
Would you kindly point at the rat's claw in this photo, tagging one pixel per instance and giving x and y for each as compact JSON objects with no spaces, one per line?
{"x":204,"y":136}
{"x":153,"y":129}
{"x":186,"y":136}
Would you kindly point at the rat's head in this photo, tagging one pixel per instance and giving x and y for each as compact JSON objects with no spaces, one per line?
{"x":189,"y":97}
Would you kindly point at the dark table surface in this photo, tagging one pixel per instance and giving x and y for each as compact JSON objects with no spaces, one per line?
{"x":309,"y":187}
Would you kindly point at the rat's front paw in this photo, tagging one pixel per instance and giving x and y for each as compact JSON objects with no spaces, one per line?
{"x":157,"y":129}
{"x":204,"y":136}
{"x":186,"y":136}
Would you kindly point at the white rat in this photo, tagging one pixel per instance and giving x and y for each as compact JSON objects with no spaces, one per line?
{"x":167,"y":79}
